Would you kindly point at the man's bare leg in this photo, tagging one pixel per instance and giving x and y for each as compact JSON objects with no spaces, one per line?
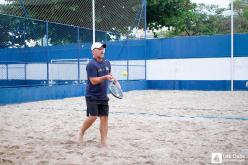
{"x":87,"y":123}
{"x":104,"y":130}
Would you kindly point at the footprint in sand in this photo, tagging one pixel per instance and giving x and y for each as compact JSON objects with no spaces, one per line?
{"x":4,"y":161}
{"x":43,"y":162}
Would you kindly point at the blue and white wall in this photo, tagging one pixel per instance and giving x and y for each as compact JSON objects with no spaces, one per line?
{"x":200,"y":63}
{"x":197,"y":73}
{"x":181,"y":63}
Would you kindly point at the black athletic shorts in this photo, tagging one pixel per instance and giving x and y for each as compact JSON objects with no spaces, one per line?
{"x":97,"y":107}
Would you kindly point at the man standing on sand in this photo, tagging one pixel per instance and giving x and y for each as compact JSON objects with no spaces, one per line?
{"x":98,"y":73}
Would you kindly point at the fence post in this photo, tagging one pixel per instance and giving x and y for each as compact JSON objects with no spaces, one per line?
{"x":47,"y":48}
{"x":25,"y":68}
{"x":25,"y":45}
{"x":145,"y":39}
{"x":78,"y":43}
{"x":128,"y":60}
{"x":24,"y":33}
{"x":106,"y":37}
{"x":127,"y":69}
{"x":7,"y":71}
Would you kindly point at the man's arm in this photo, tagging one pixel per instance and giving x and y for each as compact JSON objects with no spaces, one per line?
{"x":98,"y":80}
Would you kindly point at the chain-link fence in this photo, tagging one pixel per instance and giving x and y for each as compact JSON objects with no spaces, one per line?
{"x":42,"y":41}
{"x":61,"y":29}
{"x":114,"y":19}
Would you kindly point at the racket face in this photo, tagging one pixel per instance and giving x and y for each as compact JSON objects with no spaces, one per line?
{"x":115,"y":89}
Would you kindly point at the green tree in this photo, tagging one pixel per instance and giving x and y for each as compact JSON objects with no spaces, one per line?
{"x":212,"y":20}
{"x":182,"y":17}
{"x":240,"y":16}
{"x":170,"y":14}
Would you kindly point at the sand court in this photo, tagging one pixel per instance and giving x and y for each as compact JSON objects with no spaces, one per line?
{"x":146,"y":127}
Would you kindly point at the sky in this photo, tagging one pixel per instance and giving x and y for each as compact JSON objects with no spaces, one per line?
{"x":2,"y":2}
{"x":220,"y":3}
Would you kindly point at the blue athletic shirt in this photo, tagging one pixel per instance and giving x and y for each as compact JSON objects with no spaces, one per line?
{"x":97,"y":69}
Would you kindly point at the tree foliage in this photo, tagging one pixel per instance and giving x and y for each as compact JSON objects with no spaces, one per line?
{"x":173,"y":14}
{"x":182,"y":17}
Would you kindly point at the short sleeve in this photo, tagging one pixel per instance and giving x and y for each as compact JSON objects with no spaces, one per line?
{"x":91,"y":70}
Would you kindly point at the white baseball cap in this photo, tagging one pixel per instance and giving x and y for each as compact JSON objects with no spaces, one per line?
{"x":97,"y":45}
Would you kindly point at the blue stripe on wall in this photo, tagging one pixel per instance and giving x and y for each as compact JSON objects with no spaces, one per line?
{"x":240,"y":45}
{"x":215,"y":85}
{"x":189,"y":47}
{"x":126,"y":50}
{"x":241,"y":85}
{"x":41,"y":54}
{"x":133,"y":85}
{"x":167,"y":48}
{"x":28,"y":94}
{"x":30,"y":83}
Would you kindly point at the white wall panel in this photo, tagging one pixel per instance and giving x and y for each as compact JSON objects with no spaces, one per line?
{"x":241,"y":68}
{"x":196,"y":69}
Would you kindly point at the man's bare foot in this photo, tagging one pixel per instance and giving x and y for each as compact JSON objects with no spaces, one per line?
{"x":104,"y":144}
{"x":80,"y":138}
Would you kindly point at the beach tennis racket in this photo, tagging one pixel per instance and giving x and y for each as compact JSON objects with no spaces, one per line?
{"x":115,"y":89}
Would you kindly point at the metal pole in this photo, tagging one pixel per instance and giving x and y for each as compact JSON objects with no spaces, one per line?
{"x":24,"y":34}
{"x":25,"y":65}
{"x":93,"y":21}
{"x":232,"y":50}
{"x":145,"y":16}
{"x":7,"y":71}
{"x":25,"y":70}
{"x":145,"y":39}
{"x":47,"y":48}
{"x":78,"y":41}
{"x":106,"y":37}
{"x":127,"y":60}
{"x":127,"y":69}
